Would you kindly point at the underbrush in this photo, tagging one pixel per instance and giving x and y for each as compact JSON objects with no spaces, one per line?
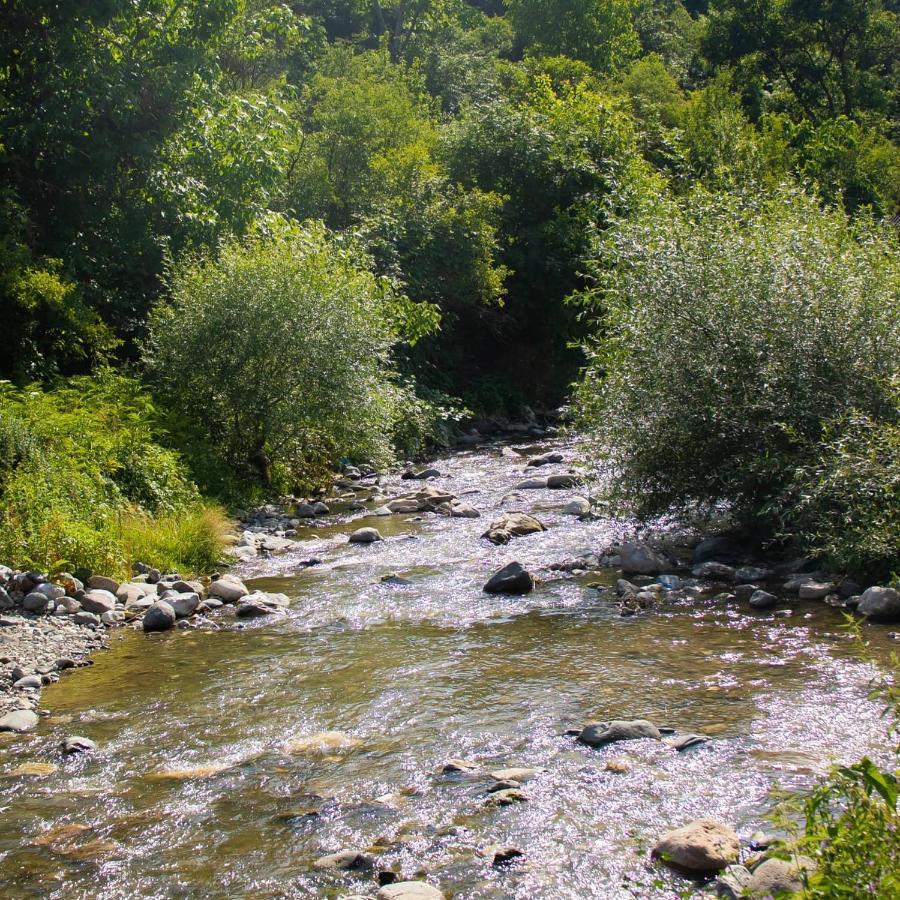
{"x":85,"y":485}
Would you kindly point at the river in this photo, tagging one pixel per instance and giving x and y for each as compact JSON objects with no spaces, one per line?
{"x":195,"y":790}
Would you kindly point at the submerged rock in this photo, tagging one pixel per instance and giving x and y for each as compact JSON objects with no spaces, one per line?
{"x":511,"y":579}
{"x":602,"y":733}
{"x":545,"y":459}
{"x":701,"y":847}
{"x":409,"y":890}
{"x":561,"y":482}
{"x":345,"y":859}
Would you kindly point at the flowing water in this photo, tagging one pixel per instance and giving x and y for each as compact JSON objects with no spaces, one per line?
{"x":197,"y":791}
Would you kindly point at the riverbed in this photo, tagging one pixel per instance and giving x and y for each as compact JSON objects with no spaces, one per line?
{"x":197,"y":788}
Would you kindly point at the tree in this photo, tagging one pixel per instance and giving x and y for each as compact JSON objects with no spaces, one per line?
{"x":598,"y":32}
{"x":278,"y":350}
{"x":830,"y":57}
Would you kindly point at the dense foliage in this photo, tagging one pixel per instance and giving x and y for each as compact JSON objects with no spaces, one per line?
{"x":85,"y":483}
{"x":737,"y":331}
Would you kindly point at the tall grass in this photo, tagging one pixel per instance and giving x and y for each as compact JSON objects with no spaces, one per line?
{"x":85,"y":485}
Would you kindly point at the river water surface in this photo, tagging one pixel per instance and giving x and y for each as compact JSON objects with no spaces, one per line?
{"x":196,"y":790}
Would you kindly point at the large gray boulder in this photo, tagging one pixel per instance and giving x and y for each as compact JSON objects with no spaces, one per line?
{"x":880,"y":604}
{"x":602,"y":733}
{"x":700,"y":847}
{"x":511,"y":579}
{"x":159,"y":617}
{"x":35,"y":602}
{"x":639,"y":559}
{"x":102,"y":583}
{"x":98,"y":601}
{"x":184,"y":604}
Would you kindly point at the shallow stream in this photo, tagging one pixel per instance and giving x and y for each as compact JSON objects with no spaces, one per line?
{"x":195,"y":790}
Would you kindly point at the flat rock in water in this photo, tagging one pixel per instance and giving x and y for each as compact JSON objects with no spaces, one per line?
{"x":345,"y":859}
{"x":701,"y":847}
{"x":532,"y":484}
{"x":512,"y":524}
{"x":545,"y":459}
{"x":618,"y":730}
{"x":365,"y":536}
{"x":322,"y":743}
{"x":511,"y":579}
{"x":514,"y":774}
{"x":453,"y":766}
{"x":561,"y":482}
{"x":409,"y":890}
{"x":18,"y":721}
{"x":506,"y":797}
{"x":686,"y":741}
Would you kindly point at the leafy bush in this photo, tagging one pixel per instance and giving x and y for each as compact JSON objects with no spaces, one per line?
{"x":847,"y":502}
{"x":735,"y":330}
{"x":278,"y":351}
{"x":79,"y":467}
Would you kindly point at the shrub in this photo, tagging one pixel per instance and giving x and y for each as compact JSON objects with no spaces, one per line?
{"x":734,"y":330}
{"x":79,"y":467}
{"x":279,"y":350}
{"x":847,"y":502}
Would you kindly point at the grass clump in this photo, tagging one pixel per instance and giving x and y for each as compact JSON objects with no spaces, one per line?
{"x":85,"y":485}
{"x":740,"y":335}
